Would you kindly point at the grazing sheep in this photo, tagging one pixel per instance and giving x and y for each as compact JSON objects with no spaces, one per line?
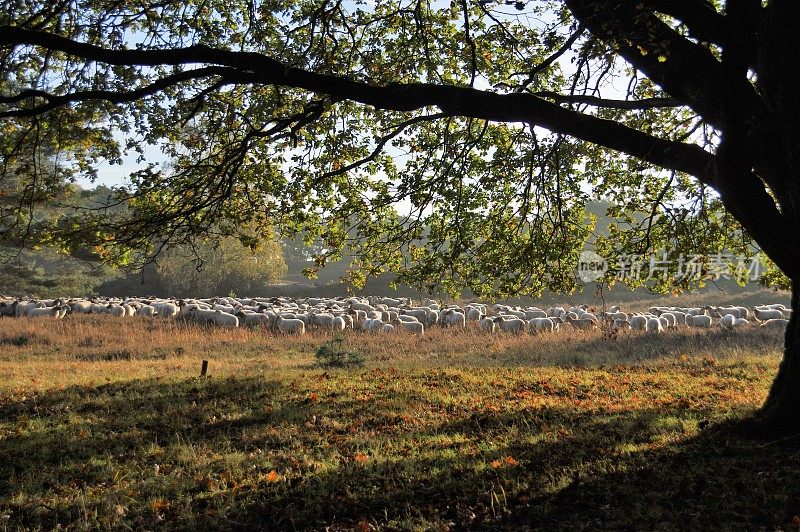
{"x":21,"y":308}
{"x":620,"y":324}
{"x":46,"y":312}
{"x":488,"y":325}
{"x":420,"y":314}
{"x":452,"y":318}
{"x":323,"y":320}
{"x":199,"y":315}
{"x":581,"y":323}
{"x":474,"y":314}
{"x":253,"y":319}
{"x":618,"y":316}
{"x":654,"y":326}
{"x":411,"y":326}
{"x":514,"y":325}
{"x":167,"y":310}
{"x":540,"y":325}
{"x":669,"y":318}
{"x":727,"y":321}
{"x":372,"y":325}
{"x":638,"y":323}
{"x":364,"y":307}
{"x":338,"y":324}
{"x":81,"y":307}
{"x":224,"y":319}
{"x":763,"y":314}
{"x":146,"y":311}
{"x":699,"y":320}
{"x":290,"y":325}
{"x":116,"y":310}
{"x":680,"y":317}
{"x":535,"y":313}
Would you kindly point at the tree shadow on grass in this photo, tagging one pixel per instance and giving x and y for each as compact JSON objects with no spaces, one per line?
{"x":633,"y":347}
{"x":257,"y":453}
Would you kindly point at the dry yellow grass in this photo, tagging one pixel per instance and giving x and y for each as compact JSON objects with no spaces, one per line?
{"x":37,"y":353}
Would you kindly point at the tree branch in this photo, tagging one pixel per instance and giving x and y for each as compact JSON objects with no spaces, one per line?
{"x":699,"y":16}
{"x":55,"y":100}
{"x":645,"y":103}
{"x":684,"y":69}
{"x":452,"y":100}
{"x":553,"y":57}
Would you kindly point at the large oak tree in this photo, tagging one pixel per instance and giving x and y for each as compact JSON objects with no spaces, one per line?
{"x":454,"y":142}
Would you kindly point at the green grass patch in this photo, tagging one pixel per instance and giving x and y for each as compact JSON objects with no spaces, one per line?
{"x":399,"y":448}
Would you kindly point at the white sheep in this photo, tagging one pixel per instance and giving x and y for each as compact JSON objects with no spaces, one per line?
{"x":167,"y":310}
{"x":654,"y":326}
{"x":680,"y":317}
{"x":540,"y":325}
{"x":474,"y":314}
{"x":48,"y":312}
{"x":253,"y":319}
{"x":581,"y":323}
{"x":669,"y":319}
{"x":763,"y":314}
{"x":290,"y":325}
{"x":411,"y":326}
{"x":488,"y":325}
{"x":453,"y":318}
{"x":727,"y":321}
{"x":146,"y":311}
{"x":116,"y":310}
{"x":638,"y":323}
{"x":699,"y":320}
{"x":81,"y":307}
{"x":535,"y":313}
{"x":515,"y":325}
{"x":224,"y":319}
{"x":338,"y":324}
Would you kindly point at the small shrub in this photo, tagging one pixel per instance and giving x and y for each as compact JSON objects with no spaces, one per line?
{"x":333,"y":354}
{"x":19,"y":340}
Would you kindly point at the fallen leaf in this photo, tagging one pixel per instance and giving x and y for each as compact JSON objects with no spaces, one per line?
{"x":361,"y":458}
{"x":160,"y":505}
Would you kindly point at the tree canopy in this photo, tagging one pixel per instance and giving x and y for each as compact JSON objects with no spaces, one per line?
{"x":455,"y":142}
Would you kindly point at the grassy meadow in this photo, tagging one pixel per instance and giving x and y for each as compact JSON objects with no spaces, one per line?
{"x":105,"y":424}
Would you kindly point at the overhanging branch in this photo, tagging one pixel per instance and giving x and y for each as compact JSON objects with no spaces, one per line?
{"x":53,"y":101}
{"x":631,"y":105}
{"x":452,"y":100}
{"x":699,"y":16}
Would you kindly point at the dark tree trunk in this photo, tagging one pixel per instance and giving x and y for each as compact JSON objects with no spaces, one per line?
{"x":780,"y":415}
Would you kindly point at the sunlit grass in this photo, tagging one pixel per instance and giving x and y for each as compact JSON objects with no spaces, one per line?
{"x":104,"y":424}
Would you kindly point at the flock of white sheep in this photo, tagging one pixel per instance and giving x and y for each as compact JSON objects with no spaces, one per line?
{"x":387,"y":314}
